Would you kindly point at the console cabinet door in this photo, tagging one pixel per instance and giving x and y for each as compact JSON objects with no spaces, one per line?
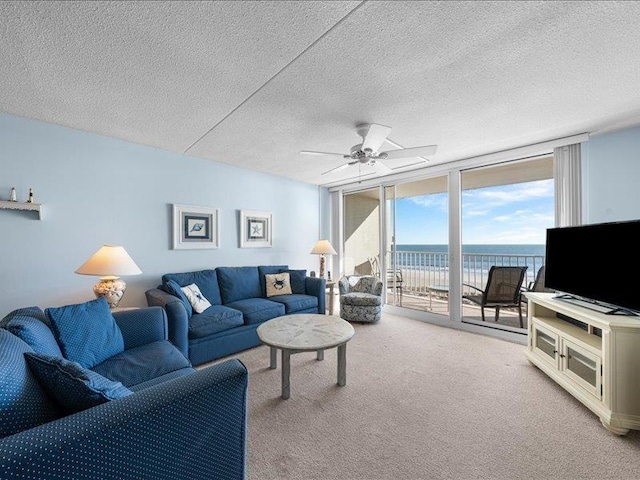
{"x":582,"y":366}
{"x":545,"y":344}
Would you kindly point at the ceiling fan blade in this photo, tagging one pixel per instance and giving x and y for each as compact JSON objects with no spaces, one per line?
{"x":381,"y":168}
{"x":375,"y":136}
{"x":329,"y":154}
{"x":337,"y":169}
{"x":425,"y":151}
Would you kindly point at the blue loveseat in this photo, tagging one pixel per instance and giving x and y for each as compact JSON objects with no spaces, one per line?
{"x":169,"y":422}
{"x":239,"y":304}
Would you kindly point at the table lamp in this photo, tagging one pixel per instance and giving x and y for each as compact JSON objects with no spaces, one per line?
{"x":322,"y":248}
{"x":109,"y":263}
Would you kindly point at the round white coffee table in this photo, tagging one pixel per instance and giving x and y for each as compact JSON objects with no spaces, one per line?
{"x":306,"y":332}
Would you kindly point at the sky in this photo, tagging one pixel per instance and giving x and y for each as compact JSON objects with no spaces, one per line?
{"x":507,"y":214}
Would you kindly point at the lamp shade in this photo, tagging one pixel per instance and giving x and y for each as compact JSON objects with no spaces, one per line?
{"x":323,"y":247}
{"x":109,"y":261}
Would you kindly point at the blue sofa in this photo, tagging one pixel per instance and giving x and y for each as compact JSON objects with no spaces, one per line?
{"x":168,"y":420}
{"x":239,"y":304}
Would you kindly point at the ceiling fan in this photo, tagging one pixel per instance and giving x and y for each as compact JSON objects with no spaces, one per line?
{"x":366,"y":153}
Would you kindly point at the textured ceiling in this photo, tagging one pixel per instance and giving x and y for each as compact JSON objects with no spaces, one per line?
{"x":253,"y":83}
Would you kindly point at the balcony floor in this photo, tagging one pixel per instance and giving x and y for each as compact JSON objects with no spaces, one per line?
{"x":439,"y":305}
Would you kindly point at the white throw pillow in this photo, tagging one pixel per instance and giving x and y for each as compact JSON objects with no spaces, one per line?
{"x":278,"y":284}
{"x":195,"y":297}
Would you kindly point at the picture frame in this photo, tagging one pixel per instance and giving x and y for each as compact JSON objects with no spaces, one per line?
{"x":195,"y":227}
{"x":256,"y":229}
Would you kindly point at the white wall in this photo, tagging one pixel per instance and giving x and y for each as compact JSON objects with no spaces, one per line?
{"x":612,"y":176}
{"x":97,"y":190}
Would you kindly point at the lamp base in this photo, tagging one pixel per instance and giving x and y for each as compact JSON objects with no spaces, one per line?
{"x":322,"y":265}
{"x":112,"y":289}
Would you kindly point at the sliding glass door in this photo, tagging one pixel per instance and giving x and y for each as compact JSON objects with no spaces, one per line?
{"x":434,"y":240}
{"x":416,"y":253}
{"x":506,"y":210}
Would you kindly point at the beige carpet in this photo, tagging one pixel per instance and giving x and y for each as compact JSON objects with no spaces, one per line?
{"x":425,"y":402}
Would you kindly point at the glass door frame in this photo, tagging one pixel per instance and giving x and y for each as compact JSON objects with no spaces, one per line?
{"x":388,"y":243}
{"x":454,"y":186}
{"x":386,"y":233}
{"x":388,"y":238}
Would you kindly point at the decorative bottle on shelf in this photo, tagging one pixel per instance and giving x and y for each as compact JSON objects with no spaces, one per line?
{"x":329,"y":276}
{"x":13,"y":197}
{"x":30,"y":199}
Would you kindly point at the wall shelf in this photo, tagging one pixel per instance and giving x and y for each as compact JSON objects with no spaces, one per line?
{"x":31,"y":207}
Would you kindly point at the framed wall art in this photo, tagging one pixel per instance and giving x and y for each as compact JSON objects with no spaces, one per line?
{"x":195,"y":227}
{"x":255,"y":229}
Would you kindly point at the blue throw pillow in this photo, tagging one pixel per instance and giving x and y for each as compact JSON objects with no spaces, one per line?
{"x":23,"y":402}
{"x":207,"y":281}
{"x":35,"y":332}
{"x":174,"y":289}
{"x":298,"y":279}
{"x":239,"y":283}
{"x":34,"y":312}
{"x":73,"y":387}
{"x":87,"y":332}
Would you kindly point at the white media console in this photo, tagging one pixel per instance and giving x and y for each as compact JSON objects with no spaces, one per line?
{"x":592,"y":355}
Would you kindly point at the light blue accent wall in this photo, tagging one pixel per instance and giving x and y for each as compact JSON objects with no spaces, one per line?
{"x":98,"y":190}
{"x":612,"y":177}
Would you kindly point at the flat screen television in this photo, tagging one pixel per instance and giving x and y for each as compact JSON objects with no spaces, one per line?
{"x":597,"y":263}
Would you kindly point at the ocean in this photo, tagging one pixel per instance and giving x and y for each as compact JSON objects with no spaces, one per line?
{"x":478,"y":249}
{"x":474,"y":257}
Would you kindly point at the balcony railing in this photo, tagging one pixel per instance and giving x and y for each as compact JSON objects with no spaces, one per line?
{"x":420,"y":270}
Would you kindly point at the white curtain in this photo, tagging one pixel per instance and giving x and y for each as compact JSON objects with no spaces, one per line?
{"x":568,"y":185}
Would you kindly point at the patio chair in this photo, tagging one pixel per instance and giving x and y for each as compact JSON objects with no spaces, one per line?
{"x":365,"y":268}
{"x":538,"y":284}
{"x":503,"y":289}
{"x":394,"y":277}
{"x":375,"y":266}
{"x":394,"y":280}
